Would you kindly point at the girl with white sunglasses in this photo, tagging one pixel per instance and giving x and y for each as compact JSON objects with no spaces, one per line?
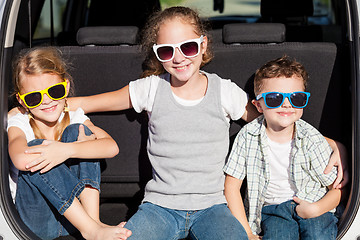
{"x":58,"y":183}
{"x":189,"y":113}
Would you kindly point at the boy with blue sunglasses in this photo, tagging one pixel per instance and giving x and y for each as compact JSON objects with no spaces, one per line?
{"x":283,"y":157}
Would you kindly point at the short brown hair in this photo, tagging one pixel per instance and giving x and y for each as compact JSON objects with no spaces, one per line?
{"x":280,"y":67}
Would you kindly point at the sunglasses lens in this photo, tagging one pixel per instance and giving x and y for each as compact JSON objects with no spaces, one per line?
{"x":299,"y":99}
{"x":165,"y":53}
{"x":274,"y":100}
{"x":33,"y":99}
{"x":57,"y":91}
{"x":190,"y":49}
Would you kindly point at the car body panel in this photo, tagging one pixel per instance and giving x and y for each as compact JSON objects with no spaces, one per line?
{"x":11,"y":229}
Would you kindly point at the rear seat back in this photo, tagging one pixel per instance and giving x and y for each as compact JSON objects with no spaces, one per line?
{"x":107,"y":35}
{"x":296,"y":14}
{"x":98,"y":69}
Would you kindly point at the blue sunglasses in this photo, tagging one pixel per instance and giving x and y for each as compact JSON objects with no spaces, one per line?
{"x":276,"y":99}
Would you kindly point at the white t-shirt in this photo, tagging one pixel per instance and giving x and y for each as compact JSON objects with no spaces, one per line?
{"x":143,"y":91}
{"x":280,"y":188}
{"x":22,"y":121}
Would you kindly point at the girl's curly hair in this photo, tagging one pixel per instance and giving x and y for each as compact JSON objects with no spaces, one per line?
{"x":149,"y":36}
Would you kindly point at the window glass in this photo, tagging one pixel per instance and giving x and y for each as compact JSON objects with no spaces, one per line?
{"x":43,"y":28}
{"x":250,"y":8}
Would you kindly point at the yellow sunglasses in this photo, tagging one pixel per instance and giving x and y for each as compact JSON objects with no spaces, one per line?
{"x":35,"y":98}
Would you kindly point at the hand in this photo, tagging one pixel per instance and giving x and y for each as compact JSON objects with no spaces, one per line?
{"x":305,"y":209}
{"x":82,"y":137}
{"x":339,"y":159}
{"x":52,"y":153}
{"x":253,"y":237}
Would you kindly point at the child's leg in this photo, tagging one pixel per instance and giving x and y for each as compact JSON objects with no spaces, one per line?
{"x":37,"y":213}
{"x":152,"y":222}
{"x":320,"y":228}
{"x":215,"y":223}
{"x":90,"y":200}
{"x":278,"y":223}
{"x":87,"y":171}
{"x":62,"y":199}
{"x":41,"y":198}
{"x":89,"y":228}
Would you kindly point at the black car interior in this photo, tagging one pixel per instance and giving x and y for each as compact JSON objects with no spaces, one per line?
{"x":104,"y":55}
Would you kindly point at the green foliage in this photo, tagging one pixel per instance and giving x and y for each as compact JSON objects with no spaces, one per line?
{"x":169,"y":3}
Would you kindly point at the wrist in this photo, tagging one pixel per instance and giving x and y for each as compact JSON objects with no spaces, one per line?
{"x":71,"y":150}
{"x":249,"y":233}
{"x":316,"y":210}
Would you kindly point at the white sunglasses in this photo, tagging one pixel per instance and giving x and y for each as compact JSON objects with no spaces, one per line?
{"x":189,"y":48}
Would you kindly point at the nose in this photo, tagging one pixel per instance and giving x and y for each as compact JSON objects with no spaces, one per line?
{"x":46,"y":99}
{"x":286,"y":103}
{"x":178,"y":56}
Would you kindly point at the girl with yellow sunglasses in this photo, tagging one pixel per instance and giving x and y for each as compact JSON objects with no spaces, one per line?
{"x":57,"y":185}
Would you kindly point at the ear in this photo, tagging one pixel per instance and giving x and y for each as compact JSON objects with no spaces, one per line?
{"x":21,"y":102}
{"x":204,"y":44}
{"x":68,"y":86}
{"x":257,"y":104}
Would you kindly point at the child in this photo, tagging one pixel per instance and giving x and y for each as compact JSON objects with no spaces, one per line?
{"x":189,"y":112}
{"x":54,"y":189}
{"x":282,"y":158}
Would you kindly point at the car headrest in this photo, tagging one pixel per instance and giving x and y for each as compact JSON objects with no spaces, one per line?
{"x":286,"y":8}
{"x":107,"y":35}
{"x":253,"y":33}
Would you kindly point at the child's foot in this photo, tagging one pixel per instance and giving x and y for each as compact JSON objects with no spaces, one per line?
{"x":122,"y":224}
{"x":108,"y":232}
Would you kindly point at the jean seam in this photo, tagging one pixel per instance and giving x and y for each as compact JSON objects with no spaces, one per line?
{"x":92,"y":183}
{"x":76,"y":191}
{"x":194,"y":234}
{"x":54,"y":189}
{"x":178,"y":234}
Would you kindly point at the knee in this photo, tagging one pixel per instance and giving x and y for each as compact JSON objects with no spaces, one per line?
{"x":75,"y":128}
{"x":322,"y":227}
{"x":71,"y":132}
{"x":35,"y":142}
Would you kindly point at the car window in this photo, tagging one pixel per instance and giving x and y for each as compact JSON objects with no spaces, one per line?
{"x":43,"y":28}
{"x":2,"y":5}
{"x":246,"y":8}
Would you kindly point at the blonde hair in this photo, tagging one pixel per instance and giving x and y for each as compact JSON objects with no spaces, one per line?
{"x":150,"y":35}
{"x":40,"y":61}
{"x":280,"y":67}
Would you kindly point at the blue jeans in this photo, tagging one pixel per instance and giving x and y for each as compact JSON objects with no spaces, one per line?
{"x":152,"y":222}
{"x":282,"y":222}
{"x":41,"y":199}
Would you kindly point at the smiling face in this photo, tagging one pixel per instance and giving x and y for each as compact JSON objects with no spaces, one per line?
{"x":48,"y":112}
{"x":181,"y":68}
{"x":283,"y":117}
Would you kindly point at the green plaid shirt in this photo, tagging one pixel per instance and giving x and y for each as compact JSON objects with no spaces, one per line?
{"x":249,"y":158}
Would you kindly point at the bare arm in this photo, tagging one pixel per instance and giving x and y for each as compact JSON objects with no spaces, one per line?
{"x":109,"y":101}
{"x":339,"y":159}
{"x":104,"y":146}
{"x":310,"y":210}
{"x":17,"y":147}
{"x":250,"y":112}
{"x":235,"y":203}
{"x":52,"y":153}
